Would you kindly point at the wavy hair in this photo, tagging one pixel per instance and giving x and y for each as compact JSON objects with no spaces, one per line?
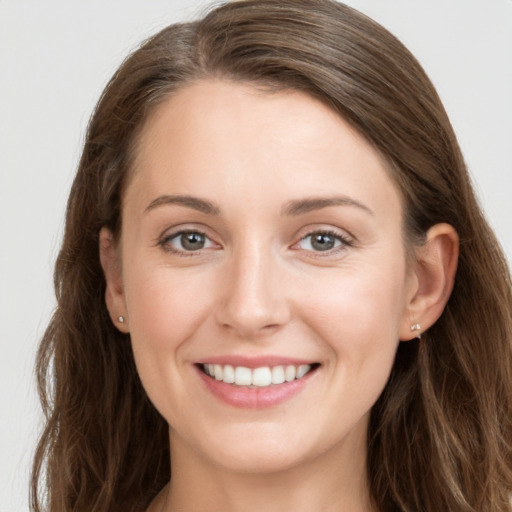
{"x":440,"y":434}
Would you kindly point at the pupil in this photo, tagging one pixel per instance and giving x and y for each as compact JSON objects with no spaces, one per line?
{"x":322,"y":242}
{"x":192,"y":241}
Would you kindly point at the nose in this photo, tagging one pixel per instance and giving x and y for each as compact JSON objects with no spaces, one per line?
{"x":253,"y":301}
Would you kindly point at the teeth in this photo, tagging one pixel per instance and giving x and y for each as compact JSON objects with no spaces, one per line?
{"x":229,"y":374}
{"x":262,"y":376}
{"x":278,"y":376}
{"x":258,"y":377}
{"x":302,"y":370}
{"x":243,"y":376}
{"x":290,"y":373}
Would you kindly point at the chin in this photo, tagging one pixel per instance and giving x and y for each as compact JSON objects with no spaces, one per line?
{"x":269,"y":447}
{"x":260,"y":459}
{"x":245,"y":447}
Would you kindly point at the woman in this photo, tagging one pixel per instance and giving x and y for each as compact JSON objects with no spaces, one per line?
{"x":275,"y":280}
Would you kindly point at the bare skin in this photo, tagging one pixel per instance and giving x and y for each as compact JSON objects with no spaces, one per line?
{"x":262,"y":226}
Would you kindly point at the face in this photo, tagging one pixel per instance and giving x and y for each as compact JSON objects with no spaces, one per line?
{"x":261,"y":244}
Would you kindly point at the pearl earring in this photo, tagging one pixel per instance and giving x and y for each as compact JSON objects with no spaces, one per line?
{"x":120,"y":319}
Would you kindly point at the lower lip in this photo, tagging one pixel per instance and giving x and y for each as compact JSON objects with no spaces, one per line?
{"x":257,"y":397}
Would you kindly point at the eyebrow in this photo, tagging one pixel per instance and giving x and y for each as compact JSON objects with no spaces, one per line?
{"x":295,"y":207}
{"x":201,"y":205}
{"x":309,"y":204}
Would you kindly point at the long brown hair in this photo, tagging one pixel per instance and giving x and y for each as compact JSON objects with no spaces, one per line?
{"x":440,"y":434}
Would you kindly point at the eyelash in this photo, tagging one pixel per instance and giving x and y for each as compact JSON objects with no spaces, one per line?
{"x":165,"y":242}
{"x":344,"y":242}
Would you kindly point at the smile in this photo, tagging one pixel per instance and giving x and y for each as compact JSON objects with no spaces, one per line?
{"x":256,"y":385}
{"x":263,"y":376}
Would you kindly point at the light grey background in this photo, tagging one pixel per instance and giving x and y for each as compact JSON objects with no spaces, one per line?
{"x":55,"y":58}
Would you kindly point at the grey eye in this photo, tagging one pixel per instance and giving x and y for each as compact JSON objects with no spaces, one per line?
{"x":192,"y":241}
{"x":188,"y":241}
{"x":320,"y":242}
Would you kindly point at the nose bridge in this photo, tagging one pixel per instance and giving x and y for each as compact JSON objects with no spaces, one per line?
{"x":254,"y":299}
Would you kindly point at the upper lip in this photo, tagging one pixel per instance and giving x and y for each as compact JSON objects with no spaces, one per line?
{"x":255,"y":362}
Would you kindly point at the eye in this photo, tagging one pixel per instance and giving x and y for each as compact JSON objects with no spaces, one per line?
{"x":322,"y":241}
{"x":187,"y":241}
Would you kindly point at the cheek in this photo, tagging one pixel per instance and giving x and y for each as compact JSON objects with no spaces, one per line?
{"x":361,"y":300}
{"x":358,"y":315}
{"x":163,"y":305}
{"x":359,"y":323}
{"x":164,"y":311}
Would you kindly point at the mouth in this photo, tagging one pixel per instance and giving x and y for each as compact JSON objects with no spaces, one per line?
{"x":260,"y":377}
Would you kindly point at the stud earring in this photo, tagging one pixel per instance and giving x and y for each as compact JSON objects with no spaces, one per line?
{"x":120,"y":319}
{"x":416,"y":327}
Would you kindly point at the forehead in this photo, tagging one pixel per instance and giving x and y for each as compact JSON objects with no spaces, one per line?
{"x":212,"y":137}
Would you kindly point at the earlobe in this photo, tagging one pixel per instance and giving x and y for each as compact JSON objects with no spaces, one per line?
{"x":114,"y":292}
{"x":434,"y":272}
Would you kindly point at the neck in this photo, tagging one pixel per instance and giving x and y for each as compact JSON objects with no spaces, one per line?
{"x":335,"y":480}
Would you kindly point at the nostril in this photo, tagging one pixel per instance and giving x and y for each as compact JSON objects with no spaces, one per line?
{"x":250,"y":330}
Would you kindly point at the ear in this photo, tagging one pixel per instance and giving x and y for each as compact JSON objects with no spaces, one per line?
{"x":433,"y":275}
{"x":114,"y":293}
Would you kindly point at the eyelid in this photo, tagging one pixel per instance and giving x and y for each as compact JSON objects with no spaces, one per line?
{"x":171,"y":233}
{"x":345,"y":238}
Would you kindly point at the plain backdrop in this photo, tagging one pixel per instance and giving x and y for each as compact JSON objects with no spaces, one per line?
{"x":55,"y":58}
